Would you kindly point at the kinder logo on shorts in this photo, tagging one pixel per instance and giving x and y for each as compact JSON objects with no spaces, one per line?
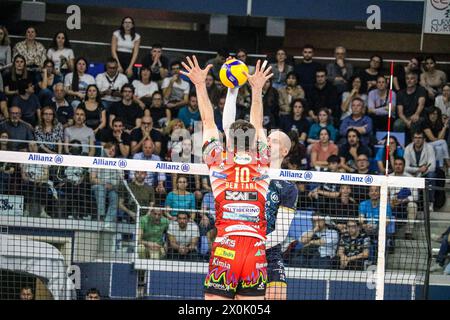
{"x":225,"y":253}
{"x":244,"y":208}
{"x":242,"y":159}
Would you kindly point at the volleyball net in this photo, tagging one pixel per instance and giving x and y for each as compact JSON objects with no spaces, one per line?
{"x":144,"y":229}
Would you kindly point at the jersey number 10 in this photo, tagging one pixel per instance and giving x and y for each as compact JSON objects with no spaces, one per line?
{"x":242,"y":175}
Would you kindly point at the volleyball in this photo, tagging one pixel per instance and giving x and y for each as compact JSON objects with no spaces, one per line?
{"x":231,"y":74}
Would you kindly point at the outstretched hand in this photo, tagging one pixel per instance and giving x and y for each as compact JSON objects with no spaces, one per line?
{"x":196,"y":74}
{"x":261,"y":75}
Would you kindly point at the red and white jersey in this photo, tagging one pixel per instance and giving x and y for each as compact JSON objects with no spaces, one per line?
{"x":239,"y":183}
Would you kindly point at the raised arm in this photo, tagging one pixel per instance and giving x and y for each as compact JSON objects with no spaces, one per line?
{"x":198,"y":77}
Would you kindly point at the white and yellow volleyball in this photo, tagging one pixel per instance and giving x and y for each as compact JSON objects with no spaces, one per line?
{"x":232,"y":73}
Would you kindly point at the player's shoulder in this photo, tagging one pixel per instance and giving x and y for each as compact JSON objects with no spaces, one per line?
{"x":282,"y":184}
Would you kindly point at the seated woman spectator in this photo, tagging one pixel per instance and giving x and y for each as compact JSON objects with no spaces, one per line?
{"x":95,"y":112}
{"x":11,"y":79}
{"x":180,"y":198}
{"x":369,"y":76}
{"x":76,"y":82}
{"x":61,"y":53}
{"x":443,"y":101}
{"x":5,"y":49}
{"x":125,"y":44}
{"x":296,"y":121}
{"x":160,"y":114}
{"x":432,"y":79}
{"x":32,"y":50}
{"x":324,"y":122}
{"x":144,"y":88}
{"x":436,"y":131}
{"x":49,"y":132}
{"x":46,"y":80}
{"x":395,"y":151}
{"x":292,"y":91}
{"x":270,"y":106}
{"x":280,"y":69}
{"x":321,"y":150}
{"x":170,"y":145}
{"x":378,"y":104}
{"x":348,"y":96}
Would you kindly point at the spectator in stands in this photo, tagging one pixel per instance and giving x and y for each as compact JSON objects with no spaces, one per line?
{"x":353,"y":248}
{"x":94,"y":110}
{"x":271,"y":108}
{"x":292,"y":91}
{"x":28,"y":102}
{"x":49,"y":132}
{"x":152,"y":179}
{"x":297,"y":153}
{"x":217,"y":62}
{"x":79,"y":131}
{"x":175,"y":89}
{"x":157,"y":62}
{"x":61,"y":53}
{"x":340,"y":71}
{"x":218,"y":113}
{"x":323,"y":95}
{"x":105,"y":184}
{"x":296,"y":121}
{"x":118,"y":137}
{"x":410,"y":104}
{"x":127,"y":110}
{"x":369,"y":76}
{"x":160,"y":114}
{"x":139,"y":135}
{"x":348,"y":96}
{"x":3,"y":107}
{"x":5,"y":49}
{"x":444,"y":249}
{"x":322,"y":150}
{"x":180,"y":198}
{"x":17,"y":73}
{"x":190,"y":114}
{"x":306,"y":70}
{"x":378,"y":104}
{"x":76,"y":82}
{"x":358,"y":121}
{"x":436,"y":132}
{"x":404,"y":200}
{"x":432,"y":79}
{"x":144,"y":87}
{"x":143,"y":193}
{"x":343,"y":206}
{"x":64,"y":111}
{"x":395,"y":151}
{"x":18,"y":129}
{"x":125,"y":45}
{"x":153,"y":228}
{"x":319,"y":244}
{"x":214,"y":90}
{"x":369,"y":212}
{"x":350,"y":151}
{"x":241,"y":54}
{"x":174,"y":130}
{"x":110,"y":83}
{"x":183,"y":238}
{"x":33,"y":51}
{"x":46,"y":80}
{"x":363,"y":165}
{"x":280,"y":69}
{"x":93,"y":294}
{"x":26,"y":293}
{"x":443,"y":101}
{"x":323,"y":117}
{"x":420,"y":161}
{"x":8,"y":171}
{"x":400,"y":71}
{"x":36,"y":183}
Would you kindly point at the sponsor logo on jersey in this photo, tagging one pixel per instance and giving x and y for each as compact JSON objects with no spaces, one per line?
{"x":225,"y":241}
{"x":239,"y":227}
{"x":242,"y":159}
{"x":241,"y":196}
{"x":261,"y":177}
{"x":274,"y":197}
{"x":260,"y":252}
{"x":261,"y":265}
{"x":260,"y":243}
{"x":219,"y":263}
{"x":242,"y":208}
{"x":225,"y":253}
{"x":219,"y":175}
{"x":218,"y":286}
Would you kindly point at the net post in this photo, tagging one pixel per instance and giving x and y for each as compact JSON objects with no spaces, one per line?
{"x":379,"y":295}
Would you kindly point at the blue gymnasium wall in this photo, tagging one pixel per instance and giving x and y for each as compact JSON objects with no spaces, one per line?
{"x":340,"y":10}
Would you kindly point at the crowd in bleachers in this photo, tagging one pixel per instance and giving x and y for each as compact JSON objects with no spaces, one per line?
{"x":334,"y":114}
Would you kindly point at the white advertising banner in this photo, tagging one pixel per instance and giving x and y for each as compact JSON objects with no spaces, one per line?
{"x":437,"y":17}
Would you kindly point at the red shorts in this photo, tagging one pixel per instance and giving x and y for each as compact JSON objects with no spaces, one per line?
{"x":237,"y":265}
